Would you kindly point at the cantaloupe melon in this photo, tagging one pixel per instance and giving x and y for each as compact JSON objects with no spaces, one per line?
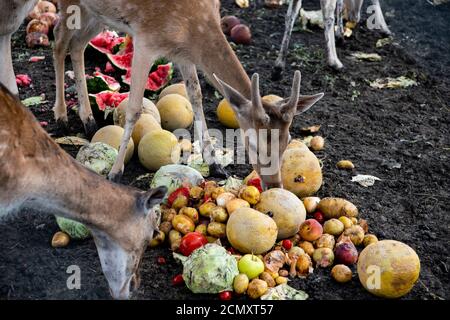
{"x":158,"y":148}
{"x":148,"y":107}
{"x":112,"y":135}
{"x":176,"y":112}
{"x":177,"y":88}
{"x":144,"y":125}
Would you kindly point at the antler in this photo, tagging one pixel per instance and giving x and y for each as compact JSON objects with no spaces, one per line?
{"x":257,"y":101}
{"x":291,"y":106}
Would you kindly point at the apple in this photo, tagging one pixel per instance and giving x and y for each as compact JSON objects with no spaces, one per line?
{"x":229,"y":22}
{"x":241,"y":34}
{"x":251,"y":265}
{"x":311,"y":230}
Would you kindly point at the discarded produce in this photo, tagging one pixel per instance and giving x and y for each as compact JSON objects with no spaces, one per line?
{"x":333,"y":227}
{"x":345,"y":252}
{"x":311,"y":230}
{"x":60,"y":240}
{"x":176,"y":112}
{"x":251,"y":265}
{"x":251,"y":231}
{"x":257,"y":288}
{"x":323,"y":257}
{"x":226,"y":115}
{"x":98,"y":157}
{"x":336,"y":208}
{"x":287,"y":210}
{"x":74,"y":229}
{"x":240,"y":283}
{"x":346,"y":165}
{"x":158,"y":148}
{"x":395,"y":263}
{"x":341,"y":273}
{"x":112,"y":135}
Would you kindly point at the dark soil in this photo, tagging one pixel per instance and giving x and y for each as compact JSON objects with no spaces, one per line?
{"x":401,"y":136}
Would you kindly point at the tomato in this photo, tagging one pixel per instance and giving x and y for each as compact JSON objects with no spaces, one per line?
{"x":191,"y":242}
{"x":161,"y":260}
{"x":178,"y":280}
{"x":319,"y":217}
{"x":225,"y":295}
{"x":287,"y":244}
{"x":256,"y":182}
{"x":183,"y":191}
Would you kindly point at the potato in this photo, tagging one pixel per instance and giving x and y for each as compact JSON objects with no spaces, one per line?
{"x":191,"y":213}
{"x":388,"y":268}
{"x":219,"y":214}
{"x":240,"y":283}
{"x":217,"y":229}
{"x":60,"y":240}
{"x":311,"y":204}
{"x":281,"y":280}
{"x":336,"y":208}
{"x":175,"y":239}
{"x":158,"y":239}
{"x":183,"y":224}
{"x":333,"y":227}
{"x":268,"y":279}
{"x":201,"y":228}
{"x":165,"y":227}
{"x":168,"y":214}
{"x":317,"y":143}
{"x":196,"y":193}
{"x":345,"y":165}
{"x":301,"y":171}
{"x":180,"y":202}
{"x":235,"y":204}
{"x":206,"y":208}
{"x":257,"y":288}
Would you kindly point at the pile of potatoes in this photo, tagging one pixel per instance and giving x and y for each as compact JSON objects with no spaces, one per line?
{"x":42,"y":19}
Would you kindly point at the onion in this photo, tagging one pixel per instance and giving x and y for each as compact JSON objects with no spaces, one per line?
{"x":345,"y":252}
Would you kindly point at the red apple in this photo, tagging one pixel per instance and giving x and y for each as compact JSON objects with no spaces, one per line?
{"x":241,"y":34}
{"x":311,"y":230}
{"x":228,"y":23}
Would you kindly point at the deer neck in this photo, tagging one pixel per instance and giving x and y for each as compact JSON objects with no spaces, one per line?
{"x":222,"y":61}
{"x":87,"y":197}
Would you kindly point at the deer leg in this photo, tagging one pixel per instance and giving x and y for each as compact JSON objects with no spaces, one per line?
{"x":77,"y":48}
{"x":62,"y":40}
{"x":291,"y":17}
{"x":142,"y":62}
{"x":380,"y":22}
{"x":7,"y":76}
{"x":190,"y":77}
{"x":340,"y":19}
{"x":328,"y":10}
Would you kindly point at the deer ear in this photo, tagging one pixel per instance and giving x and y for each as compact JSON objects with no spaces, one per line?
{"x":236,"y":99}
{"x":306,"y":102}
{"x":152,"y":198}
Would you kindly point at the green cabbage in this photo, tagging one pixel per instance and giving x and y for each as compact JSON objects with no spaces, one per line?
{"x":174,"y":175}
{"x":74,"y":229}
{"x":209,"y":269}
{"x":99,"y":157}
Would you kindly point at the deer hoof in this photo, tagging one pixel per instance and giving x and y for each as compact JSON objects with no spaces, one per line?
{"x":276,"y":73}
{"x":62,"y":127}
{"x":90,"y":127}
{"x":217,"y":171}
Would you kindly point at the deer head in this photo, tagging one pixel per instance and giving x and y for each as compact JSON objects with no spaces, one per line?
{"x":121,"y":249}
{"x":265,"y":125}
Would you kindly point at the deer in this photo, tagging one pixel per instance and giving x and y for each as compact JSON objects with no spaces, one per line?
{"x":188,"y":33}
{"x":17,"y":11}
{"x":332,"y":10}
{"x":36,"y":172}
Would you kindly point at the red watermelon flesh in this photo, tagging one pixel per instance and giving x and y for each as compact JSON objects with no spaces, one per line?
{"x":109,"y":99}
{"x":123,"y":61}
{"x":157,"y":79}
{"x":106,"y":41}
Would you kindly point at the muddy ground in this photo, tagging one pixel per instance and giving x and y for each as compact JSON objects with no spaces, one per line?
{"x":401,"y":136}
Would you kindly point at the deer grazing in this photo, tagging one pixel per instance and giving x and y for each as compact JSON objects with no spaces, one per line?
{"x":35,"y":171}
{"x":188,"y":33}
{"x":332,"y":10}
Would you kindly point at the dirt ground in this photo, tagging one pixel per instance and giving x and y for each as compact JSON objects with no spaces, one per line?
{"x":401,"y":136}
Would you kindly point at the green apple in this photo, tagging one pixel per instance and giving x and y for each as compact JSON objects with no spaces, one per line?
{"x":251,"y":265}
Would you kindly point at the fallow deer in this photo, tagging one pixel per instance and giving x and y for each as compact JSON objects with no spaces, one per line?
{"x":330,"y":9}
{"x":36,"y":172}
{"x":14,"y":12}
{"x":189,"y":33}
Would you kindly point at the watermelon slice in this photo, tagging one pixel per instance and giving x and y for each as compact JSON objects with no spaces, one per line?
{"x":123,"y":61}
{"x":99,"y":82}
{"x":107,"y":42}
{"x":157,"y":79}
{"x":107,"y":101}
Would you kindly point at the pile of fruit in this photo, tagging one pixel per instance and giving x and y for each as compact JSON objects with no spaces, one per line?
{"x":42,"y":20}
{"x":267,"y":234}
